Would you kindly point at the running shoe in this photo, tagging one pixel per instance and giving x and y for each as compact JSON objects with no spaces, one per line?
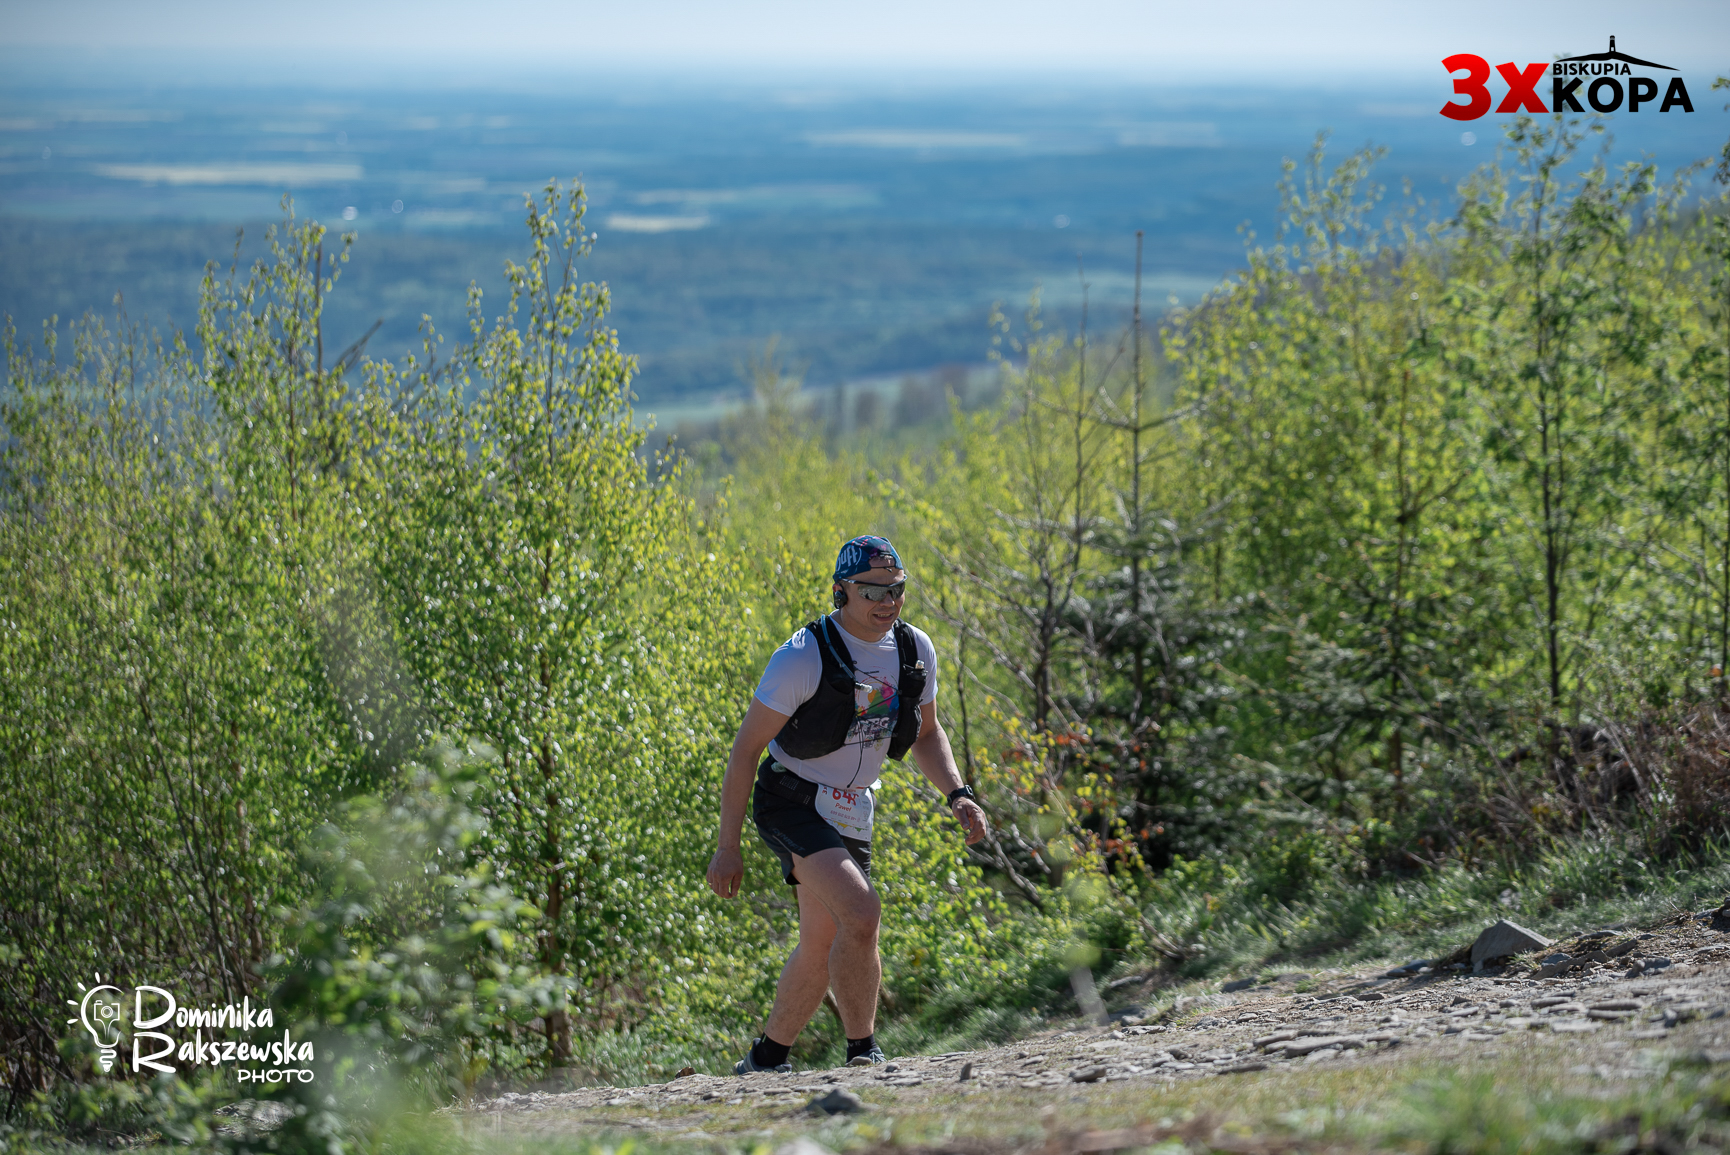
{"x":747,"y":1066}
{"x":869,"y":1059}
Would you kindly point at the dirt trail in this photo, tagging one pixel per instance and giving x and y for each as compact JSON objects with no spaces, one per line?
{"x":1666,"y":994}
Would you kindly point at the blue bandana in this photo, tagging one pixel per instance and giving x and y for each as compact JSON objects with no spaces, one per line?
{"x":863,"y":554}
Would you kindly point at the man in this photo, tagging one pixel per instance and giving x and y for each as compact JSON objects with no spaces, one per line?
{"x":837,"y":698}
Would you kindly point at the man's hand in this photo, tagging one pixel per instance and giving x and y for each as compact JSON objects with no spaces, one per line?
{"x":972,"y":819}
{"x":726,"y":871}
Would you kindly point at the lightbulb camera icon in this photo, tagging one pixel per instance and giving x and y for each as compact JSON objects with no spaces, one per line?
{"x":100,"y":1012}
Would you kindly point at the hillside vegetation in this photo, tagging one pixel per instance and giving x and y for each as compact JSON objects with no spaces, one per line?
{"x":1388,"y":586}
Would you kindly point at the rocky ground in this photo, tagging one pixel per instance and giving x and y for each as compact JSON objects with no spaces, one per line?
{"x":1620,"y":1008}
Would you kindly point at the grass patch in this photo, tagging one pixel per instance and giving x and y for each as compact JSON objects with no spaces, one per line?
{"x":1576,"y":886}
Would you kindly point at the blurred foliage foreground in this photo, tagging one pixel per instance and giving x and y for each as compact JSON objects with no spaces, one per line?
{"x":1387,"y":587}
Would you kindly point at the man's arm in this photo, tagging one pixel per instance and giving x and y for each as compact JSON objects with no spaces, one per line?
{"x":761,"y":724}
{"x":931,"y":751}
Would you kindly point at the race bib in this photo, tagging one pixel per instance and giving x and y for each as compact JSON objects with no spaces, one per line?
{"x":848,"y":811}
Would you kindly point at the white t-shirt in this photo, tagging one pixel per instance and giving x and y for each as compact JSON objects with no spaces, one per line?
{"x":792,"y":676}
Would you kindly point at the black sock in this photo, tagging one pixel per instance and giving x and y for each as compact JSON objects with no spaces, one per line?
{"x":766,"y":1052}
{"x":857,"y":1047}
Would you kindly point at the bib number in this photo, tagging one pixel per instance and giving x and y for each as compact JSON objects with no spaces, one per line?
{"x":848,"y":811}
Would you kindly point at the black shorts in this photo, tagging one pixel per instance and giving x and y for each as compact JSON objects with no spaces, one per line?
{"x":791,"y":827}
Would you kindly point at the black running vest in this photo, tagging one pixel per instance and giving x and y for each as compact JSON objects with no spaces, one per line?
{"x":819,"y":726}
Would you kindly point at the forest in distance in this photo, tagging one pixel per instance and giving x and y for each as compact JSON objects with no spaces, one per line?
{"x":1385,"y":584}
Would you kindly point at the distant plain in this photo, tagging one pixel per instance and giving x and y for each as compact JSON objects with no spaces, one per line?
{"x":871,"y":225}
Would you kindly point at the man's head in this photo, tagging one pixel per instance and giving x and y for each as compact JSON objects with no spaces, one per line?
{"x":869,"y":585}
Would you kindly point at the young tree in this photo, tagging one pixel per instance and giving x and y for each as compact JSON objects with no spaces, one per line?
{"x":528,"y":547}
{"x":1558,"y":328}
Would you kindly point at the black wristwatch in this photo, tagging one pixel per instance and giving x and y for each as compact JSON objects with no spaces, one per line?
{"x":961,"y":792}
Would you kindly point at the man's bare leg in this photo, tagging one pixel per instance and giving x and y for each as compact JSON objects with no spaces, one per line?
{"x":838,"y":916}
{"x":805,"y":978}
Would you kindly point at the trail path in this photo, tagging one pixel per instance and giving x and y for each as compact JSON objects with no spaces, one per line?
{"x":1612,"y":1022}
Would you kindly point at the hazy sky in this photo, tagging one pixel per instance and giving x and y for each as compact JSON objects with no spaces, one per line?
{"x":1320,"y":42}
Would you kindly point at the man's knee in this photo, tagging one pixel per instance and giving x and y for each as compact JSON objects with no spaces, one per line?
{"x":858,"y":916}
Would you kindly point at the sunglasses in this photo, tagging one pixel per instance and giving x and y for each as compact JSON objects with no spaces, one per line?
{"x":873,"y":592}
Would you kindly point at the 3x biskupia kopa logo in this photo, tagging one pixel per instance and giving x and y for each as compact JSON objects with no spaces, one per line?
{"x":1598,"y":79}
{"x":102,"y":1009}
